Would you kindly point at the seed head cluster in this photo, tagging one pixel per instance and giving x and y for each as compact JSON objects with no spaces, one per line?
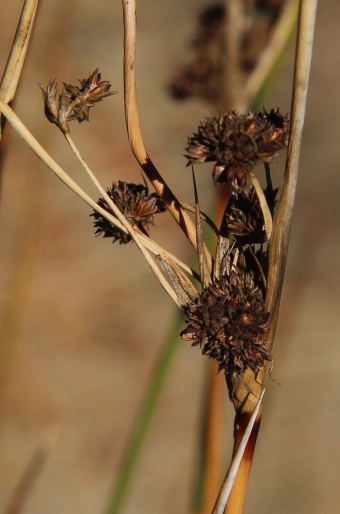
{"x":244,"y":216}
{"x":238,"y":142}
{"x":137,"y":205}
{"x":228,"y":321}
{"x":202,"y":77}
{"x":74,"y":102}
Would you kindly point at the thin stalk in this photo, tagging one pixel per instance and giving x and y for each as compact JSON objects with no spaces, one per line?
{"x":64,"y":177}
{"x":15,"y":62}
{"x":282,"y":34}
{"x":234,"y":467}
{"x":268,"y":221}
{"x":203,"y":265}
{"x":214,"y":437}
{"x":244,"y":400}
{"x":134,"y":129}
{"x":164,"y":283}
{"x":144,"y":419}
{"x":232,"y":83}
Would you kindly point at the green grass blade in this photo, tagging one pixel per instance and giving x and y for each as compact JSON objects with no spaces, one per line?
{"x":144,"y":419}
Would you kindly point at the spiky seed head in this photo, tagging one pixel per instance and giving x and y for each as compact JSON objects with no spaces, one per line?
{"x":137,"y":205}
{"x":228,"y":322}
{"x":238,"y":142}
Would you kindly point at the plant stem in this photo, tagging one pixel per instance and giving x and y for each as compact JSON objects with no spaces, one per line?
{"x":242,"y":450}
{"x":244,"y":399}
{"x":144,"y":419}
{"x":135,"y":134}
{"x":15,"y":62}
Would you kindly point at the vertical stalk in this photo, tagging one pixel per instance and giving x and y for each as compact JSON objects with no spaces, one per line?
{"x":278,"y":248}
{"x":144,"y":420}
{"x":15,"y":62}
{"x":134,"y":129}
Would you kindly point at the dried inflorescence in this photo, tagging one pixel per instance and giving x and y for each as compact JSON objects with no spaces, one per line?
{"x":137,"y":205}
{"x":203,"y":77}
{"x":228,"y":322}
{"x":74,"y":102}
{"x":244,"y":216}
{"x":238,"y":142}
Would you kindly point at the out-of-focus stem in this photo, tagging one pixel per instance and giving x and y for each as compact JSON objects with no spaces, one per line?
{"x":214,"y":437}
{"x":144,"y":419}
{"x":232,"y":86}
{"x":282,"y":33}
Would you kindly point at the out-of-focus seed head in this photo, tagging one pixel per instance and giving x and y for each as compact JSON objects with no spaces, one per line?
{"x":203,"y":76}
{"x":137,"y":205}
{"x":238,"y":142}
{"x":228,"y":322}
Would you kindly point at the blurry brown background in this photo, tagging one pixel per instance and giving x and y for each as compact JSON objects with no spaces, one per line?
{"x":88,"y":320}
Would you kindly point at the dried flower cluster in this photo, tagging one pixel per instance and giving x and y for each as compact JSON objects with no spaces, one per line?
{"x":137,"y":205}
{"x":203,"y":77}
{"x":244,"y":216}
{"x":228,"y":318}
{"x":74,"y":102}
{"x":238,"y":142}
{"x":228,"y":321}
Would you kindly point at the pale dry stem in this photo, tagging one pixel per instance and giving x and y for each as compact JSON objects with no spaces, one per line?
{"x":284,"y":28}
{"x":15,"y":62}
{"x":134,"y":130}
{"x":16,"y":59}
{"x":250,"y":387}
{"x":120,"y":216}
{"x":142,"y":242}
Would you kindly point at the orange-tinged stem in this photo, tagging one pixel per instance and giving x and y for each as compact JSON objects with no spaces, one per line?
{"x":237,"y":497}
{"x":215,"y":436}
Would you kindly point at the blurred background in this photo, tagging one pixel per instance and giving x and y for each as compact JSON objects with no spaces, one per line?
{"x":83,"y":321}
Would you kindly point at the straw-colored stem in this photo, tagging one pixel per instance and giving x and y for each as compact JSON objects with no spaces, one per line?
{"x":47,"y":159}
{"x":250,"y":387}
{"x":231,"y":69}
{"x":268,"y":222}
{"x":213,"y":461}
{"x":282,"y":32}
{"x":15,"y":62}
{"x":134,"y":130}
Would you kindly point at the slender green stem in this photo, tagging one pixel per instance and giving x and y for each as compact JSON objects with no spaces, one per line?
{"x":144,"y":419}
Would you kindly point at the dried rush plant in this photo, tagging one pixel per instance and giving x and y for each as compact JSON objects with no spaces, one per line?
{"x":232,"y":315}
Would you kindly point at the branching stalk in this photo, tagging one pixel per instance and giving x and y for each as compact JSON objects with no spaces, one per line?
{"x":47,"y":159}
